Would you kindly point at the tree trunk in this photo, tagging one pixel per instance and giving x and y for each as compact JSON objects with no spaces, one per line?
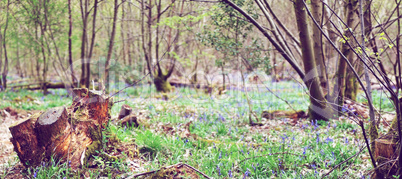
{"x":1,"y":59}
{"x":318,"y":109}
{"x":352,"y":83}
{"x":88,"y":64}
{"x":161,"y":83}
{"x":123,"y":38}
{"x":111,"y":43}
{"x":340,"y":86}
{"x":5,"y":68}
{"x":54,"y":134}
{"x":70,"y":54}
{"x":317,"y":38}
{"x":84,"y":14}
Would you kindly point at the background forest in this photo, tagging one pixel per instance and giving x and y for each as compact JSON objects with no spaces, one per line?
{"x":200,"y":88}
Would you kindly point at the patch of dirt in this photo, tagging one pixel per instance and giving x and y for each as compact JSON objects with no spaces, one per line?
{"x":14,"y":172}
{"x":176,"y":171}
{"x":182,"y":130}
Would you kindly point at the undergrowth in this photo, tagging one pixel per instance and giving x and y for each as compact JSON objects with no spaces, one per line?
{"x":221,"y":144}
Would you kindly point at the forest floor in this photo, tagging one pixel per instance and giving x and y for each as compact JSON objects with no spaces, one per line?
{"x":209,"y":132}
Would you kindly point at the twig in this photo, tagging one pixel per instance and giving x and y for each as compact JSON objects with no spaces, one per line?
{"x":120,"y":101}
{"x":206,"y":176}
{"x":178,"y":164}
{"x":361,"y":150}
{"x":140,"y":174}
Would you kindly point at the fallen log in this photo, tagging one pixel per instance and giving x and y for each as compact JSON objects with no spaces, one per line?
{"x":70,"y":134}
{"x":37,"y":86}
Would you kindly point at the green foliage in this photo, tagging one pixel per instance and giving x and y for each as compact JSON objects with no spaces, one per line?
{"x":228,"y":34}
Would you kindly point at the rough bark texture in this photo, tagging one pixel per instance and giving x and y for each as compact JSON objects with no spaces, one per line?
{"x":26,"y":143}
{"x":385,"y":150}
{"x":318,"y":110}
{"x":71,"y":133}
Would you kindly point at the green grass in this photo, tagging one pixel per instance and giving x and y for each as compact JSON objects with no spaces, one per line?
{"x":226,"y":145}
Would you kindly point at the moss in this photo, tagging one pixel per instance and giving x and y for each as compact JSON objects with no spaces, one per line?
{"x":96,"y":136}
{"x":163,"y":173}
{"x":351,"y":88}
{"x":161,"y":83}
{"x":393,"y":130}
{"x":133,"y":153}
{"x":373,"y":134}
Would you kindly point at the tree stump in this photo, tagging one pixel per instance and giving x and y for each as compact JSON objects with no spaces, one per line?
{"x":385,"y":150}
{"x":124,"y":111}
{"x":126,"y":118}
{"x":70,"y":134}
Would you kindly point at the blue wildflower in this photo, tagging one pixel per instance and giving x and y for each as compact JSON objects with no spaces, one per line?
{"x":246,"y":174}
{"x":327,"y":140}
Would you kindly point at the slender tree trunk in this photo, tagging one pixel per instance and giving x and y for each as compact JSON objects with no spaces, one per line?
{"x":20,"y":72}
{"x":1,"y":59}
{"x":129,"y":36}
{"x":351,"y":85}
{"x":373,"y":128}
{"x":147,"y":52}
{"x":340,"y":86}
{"x":111,"y":43}
{"x":5,"y":68}
{"x":317,"y":38}
{"x":123,"y":38}
{"x":318,"y":109}
{"x":70,"y":54}
{"x":88,"y":64}
{"x":84,"y":14}
{"x":150,"y":6}
{"x":160,"y":79}
{"x":44,"y":57}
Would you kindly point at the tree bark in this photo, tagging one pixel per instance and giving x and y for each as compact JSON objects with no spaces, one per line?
{"x":340,"y":86}
{"x":317,"y":38}
{"x":84,"y":15}
{"x":88,"y":64}
{"x":111,"y":43}
{"x":5,"y":68}
{"x":70,"y":53}
{"x":318,"y":109}
{"x":54,"y":134}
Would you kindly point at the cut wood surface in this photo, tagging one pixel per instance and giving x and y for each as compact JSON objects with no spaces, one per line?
{"x":71,"y":133}
{"x":384,"y":148}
